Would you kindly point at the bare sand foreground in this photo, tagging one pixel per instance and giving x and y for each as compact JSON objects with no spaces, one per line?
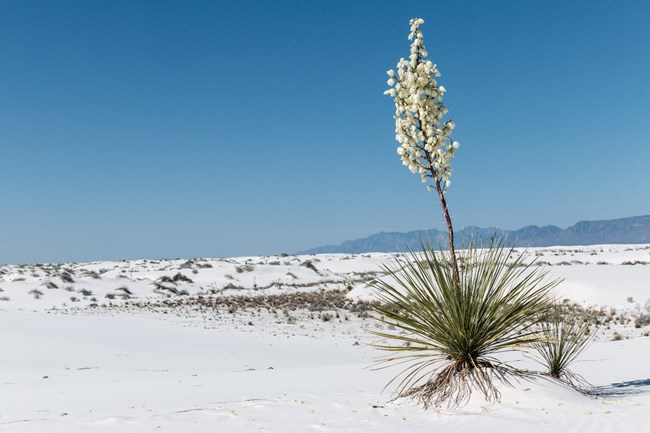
{"x":223,"y":345}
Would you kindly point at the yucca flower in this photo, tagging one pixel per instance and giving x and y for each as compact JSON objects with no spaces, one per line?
{"x":424,"y":135}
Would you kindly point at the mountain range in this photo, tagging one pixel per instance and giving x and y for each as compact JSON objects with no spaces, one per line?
{"x":631,"y":230}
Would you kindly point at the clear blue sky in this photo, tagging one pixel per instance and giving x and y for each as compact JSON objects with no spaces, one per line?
{"x":186,"y":128}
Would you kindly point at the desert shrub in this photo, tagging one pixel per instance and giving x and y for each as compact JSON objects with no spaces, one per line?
{"x":181,"y":278}
{"x":309,"y":264}
{"x":4,"y":298}
{"x":66,"y":277}
{"x":248,"y":267}
{"x":161,"y":288}
{"x":187,"y":265}
{"x":449,"y":328}
{"x":36,"y":293}
{"x":175,"y":279}
{"x":86,"y":292}
{"x":642,"y":320}
{"x":565,"y":337}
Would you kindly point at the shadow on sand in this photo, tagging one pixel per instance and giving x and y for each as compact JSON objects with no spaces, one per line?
{"x":621,"y":389}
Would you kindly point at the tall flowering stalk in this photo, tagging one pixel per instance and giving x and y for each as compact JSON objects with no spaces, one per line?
{"x":425,"y":144}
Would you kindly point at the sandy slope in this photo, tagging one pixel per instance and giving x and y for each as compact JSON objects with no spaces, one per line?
{"x":133,"y":370}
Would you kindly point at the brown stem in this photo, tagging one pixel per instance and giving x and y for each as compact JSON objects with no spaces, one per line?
{"x":443,"y":203}
{"x":450,"y":228}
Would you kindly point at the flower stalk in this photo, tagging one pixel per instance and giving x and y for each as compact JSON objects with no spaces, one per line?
{"x":425,"y":140}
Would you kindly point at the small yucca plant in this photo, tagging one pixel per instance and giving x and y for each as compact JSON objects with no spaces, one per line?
{"x":565,"y":338}
{"x":448,"y":327}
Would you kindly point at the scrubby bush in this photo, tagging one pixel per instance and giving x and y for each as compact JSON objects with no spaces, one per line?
{"x":247,"y":267}
{"x":66,"y":277}
{"x":565,"y":337}
{"x":36,"y":293}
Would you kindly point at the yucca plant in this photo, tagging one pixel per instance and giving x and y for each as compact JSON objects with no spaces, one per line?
{"x":566,"y":336}
{"x":449,"y":326}
{"x":453,"y":312}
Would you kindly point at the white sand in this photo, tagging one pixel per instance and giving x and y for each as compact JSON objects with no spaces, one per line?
{"x":104,"y":370}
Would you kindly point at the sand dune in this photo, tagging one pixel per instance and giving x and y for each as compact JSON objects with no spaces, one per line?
{"x":135,"y":360}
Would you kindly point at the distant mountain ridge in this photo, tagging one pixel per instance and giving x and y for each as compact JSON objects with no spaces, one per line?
{"x":631,"y":230}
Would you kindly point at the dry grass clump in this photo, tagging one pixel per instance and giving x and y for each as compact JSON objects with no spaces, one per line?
{"x":566,"y":336}
{"x":327,"y":302}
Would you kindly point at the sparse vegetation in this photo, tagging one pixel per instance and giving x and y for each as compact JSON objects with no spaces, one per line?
{"x":247,"y":267}
{"x":565,"y":337}
{"x":309,"y":264}
{"x":450,"y":327}
{"x":175,"y":279}
{"x":66,"y":277}
{"x":634,"y":262}
{"x":36,"y":293}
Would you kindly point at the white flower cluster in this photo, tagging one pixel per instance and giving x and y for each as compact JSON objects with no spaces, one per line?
{"x":425,"y":144}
